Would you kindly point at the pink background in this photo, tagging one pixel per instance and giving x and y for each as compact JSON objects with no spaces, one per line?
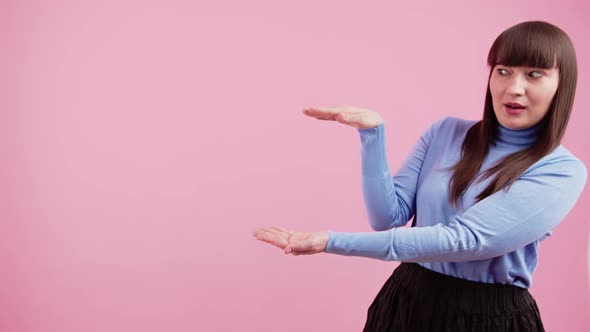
{"x":143,"y":141}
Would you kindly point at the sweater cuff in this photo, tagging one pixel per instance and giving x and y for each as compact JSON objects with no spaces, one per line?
{"x":330,"y":246}
{"x":378,"y":127}
{"x":369,"y":244}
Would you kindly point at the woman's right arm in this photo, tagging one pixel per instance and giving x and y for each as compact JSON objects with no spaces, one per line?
{"x":390,"y":200}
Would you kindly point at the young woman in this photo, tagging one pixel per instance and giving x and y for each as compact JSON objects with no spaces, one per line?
{"x":482,"y":196}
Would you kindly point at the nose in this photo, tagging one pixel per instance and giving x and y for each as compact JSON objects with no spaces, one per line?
{"x":517,"y":85}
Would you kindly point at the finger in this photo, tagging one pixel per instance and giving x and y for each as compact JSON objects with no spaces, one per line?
{"x":269,"y":241}
{"x":272,"y":239}
{"x":281,"y":229}
{"x":325,"y":110}
{"x":269,"y":230}
{"x":321,"y":115}
{"x":324,"y":118}
{"x":289,"y":250}
{"x":257,"y":231}
{"x":279,"y":233}
{"x":335,"y":110}
{"x":330,"y":112}
{"x":351,"y":116}
{"x":308,"y":252}
{"x":274,"y":230}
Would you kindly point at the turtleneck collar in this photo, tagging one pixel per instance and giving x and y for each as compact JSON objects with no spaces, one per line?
{"x":517,"y":138}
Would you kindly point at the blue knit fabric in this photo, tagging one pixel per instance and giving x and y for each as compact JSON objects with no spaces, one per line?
{"x":495,"y":240}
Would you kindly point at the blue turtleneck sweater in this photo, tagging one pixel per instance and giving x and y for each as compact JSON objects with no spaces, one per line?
{"x":493,"y":241}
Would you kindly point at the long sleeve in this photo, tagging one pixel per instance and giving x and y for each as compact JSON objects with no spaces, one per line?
{"x":389,"y":201}
{"x":499,"y":224}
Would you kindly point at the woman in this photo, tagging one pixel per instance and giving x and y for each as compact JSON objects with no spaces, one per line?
{"x":482,"y":194}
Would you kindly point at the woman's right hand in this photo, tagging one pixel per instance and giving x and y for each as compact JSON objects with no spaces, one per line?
{"x":352,"y":116}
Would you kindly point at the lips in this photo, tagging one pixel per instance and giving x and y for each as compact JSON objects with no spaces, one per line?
{"x":514,"y":108}
{"x":515,"y":105}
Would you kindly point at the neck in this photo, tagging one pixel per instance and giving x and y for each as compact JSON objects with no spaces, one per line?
{"x":517,"y":138}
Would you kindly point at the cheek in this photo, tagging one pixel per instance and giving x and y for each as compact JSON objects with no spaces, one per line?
{"x":544,"y":98}
{"x":551,"y":93}
{"x":546,"y":95}
{"x":495,"y":89}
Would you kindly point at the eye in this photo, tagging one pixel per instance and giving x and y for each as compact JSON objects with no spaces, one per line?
{"x":502,"y":71}
{"x":535,"y":74}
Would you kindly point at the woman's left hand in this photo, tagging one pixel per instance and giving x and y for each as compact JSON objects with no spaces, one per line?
{"x":296,"y":243}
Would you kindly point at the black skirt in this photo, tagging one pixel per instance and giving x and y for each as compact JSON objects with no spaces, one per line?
{"x":417,"y":299}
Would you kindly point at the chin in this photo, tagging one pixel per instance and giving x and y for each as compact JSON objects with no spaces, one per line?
{"x":516,"y":125}
{"x":513,"y":123}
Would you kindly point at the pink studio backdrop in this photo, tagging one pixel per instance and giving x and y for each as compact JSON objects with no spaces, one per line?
{"x":143,"y":141}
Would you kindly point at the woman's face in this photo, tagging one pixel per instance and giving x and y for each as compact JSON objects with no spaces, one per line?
{"x":522,"y":95}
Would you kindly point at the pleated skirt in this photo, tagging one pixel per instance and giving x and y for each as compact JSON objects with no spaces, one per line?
{"x":417,"y":299}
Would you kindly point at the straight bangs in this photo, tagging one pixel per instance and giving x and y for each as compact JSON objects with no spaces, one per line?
{"x":526,"y":46}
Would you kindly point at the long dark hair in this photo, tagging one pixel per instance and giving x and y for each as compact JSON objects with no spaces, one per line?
{"x":532,"y":44}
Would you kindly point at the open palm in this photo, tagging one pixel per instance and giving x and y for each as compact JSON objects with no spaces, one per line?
{"x":352,"y":116}
{"x":296,"y":243}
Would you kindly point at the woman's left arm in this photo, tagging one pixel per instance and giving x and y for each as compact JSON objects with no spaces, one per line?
{"x":501,"y":223}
